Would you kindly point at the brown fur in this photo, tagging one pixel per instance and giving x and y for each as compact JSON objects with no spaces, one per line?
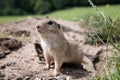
{"x":57,"y":48}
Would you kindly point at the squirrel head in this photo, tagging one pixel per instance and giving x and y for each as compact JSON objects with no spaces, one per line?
{"x":48,"y":26}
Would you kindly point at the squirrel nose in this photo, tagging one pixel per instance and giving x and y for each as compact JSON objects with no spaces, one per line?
{"x":38,"y":27}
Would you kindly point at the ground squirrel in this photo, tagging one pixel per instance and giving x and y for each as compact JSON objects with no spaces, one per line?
{"x":57,"y":48}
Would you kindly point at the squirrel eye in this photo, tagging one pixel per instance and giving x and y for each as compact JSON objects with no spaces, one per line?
{"x":50,"y":22}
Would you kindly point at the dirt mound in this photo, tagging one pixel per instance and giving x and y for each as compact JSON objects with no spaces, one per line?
{"x":7,"y":45}
{"x":27,"y":62}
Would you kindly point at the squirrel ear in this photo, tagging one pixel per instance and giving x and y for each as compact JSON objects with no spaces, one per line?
{"x":59,"y":27}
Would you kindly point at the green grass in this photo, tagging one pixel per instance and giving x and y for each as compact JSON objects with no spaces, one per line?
{"x":78,"y":12}
{"x":71,"y":14}
{"x":4,"y":19}
{"x":112,"y":63}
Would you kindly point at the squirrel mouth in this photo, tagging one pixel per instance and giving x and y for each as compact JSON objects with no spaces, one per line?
{"x":40,"y":31}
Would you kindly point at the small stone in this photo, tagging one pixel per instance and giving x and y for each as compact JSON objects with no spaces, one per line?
{"x":2,"y":55}
{"x":2,"y":74}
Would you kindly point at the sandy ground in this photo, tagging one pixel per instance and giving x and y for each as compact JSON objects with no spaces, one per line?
{"x":24,"y":63}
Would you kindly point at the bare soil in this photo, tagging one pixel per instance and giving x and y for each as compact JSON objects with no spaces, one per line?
{"x":25,"y":60}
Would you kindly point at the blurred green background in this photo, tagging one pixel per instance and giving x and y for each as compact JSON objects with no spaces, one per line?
{"x":64,"y":9}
